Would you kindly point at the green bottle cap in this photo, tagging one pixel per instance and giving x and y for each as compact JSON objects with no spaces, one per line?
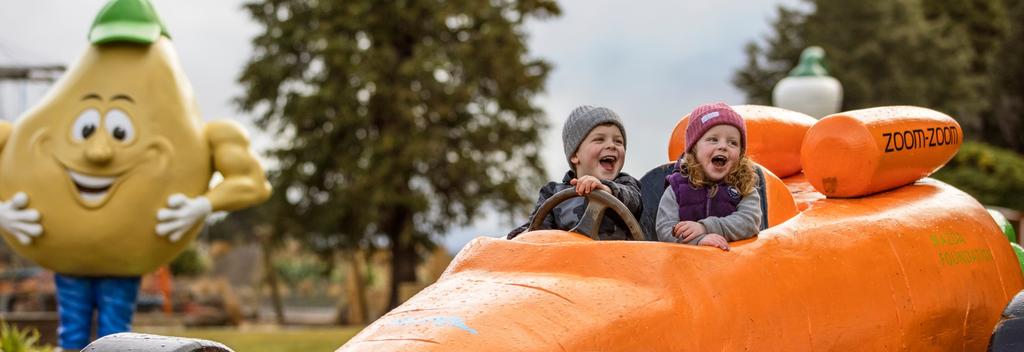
{"x":132,"y":21}
{"x":811,"y":63}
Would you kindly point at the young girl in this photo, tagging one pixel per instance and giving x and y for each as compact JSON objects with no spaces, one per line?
{"x":711,"y":199}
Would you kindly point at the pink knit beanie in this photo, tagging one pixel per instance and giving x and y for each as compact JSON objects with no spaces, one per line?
{"x":706,"y":116}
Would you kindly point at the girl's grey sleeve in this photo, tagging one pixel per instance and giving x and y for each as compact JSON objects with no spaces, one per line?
{"x":668,"y":216}
{"x":740,"y":225}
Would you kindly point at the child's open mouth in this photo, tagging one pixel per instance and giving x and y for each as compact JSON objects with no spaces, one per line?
{"x":719,"y":160}
{"x":608,"y":162}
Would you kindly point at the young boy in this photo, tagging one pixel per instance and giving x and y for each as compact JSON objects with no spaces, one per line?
{"x":595,"y":147}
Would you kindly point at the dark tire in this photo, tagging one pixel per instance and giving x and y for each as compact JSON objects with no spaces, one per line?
{"x":1009,"y":332}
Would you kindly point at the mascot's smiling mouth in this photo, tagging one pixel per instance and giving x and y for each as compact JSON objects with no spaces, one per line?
{"x":94,"y":188}
{"x":91,"y":189}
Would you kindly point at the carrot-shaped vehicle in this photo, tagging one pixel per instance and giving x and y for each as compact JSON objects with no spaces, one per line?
{"x":882,"y":258}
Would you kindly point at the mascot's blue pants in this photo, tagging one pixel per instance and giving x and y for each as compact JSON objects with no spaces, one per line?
{"x":77,"y":296}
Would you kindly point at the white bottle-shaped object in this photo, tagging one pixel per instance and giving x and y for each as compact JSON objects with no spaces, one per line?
{"x":808,"y":88}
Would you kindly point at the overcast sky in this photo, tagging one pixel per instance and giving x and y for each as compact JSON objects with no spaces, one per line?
{"x":650,"y":61}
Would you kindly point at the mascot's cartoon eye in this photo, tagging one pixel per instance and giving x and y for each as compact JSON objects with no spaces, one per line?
{"x":119,"y":126}
{"x":85,"y":125}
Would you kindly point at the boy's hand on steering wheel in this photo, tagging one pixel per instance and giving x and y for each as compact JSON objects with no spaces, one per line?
{"x":586,"y":184}
{"x":688,"y":230}
{"x":714,"y":240}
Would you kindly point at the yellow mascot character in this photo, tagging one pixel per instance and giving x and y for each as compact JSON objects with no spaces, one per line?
{"x":107,"y":178}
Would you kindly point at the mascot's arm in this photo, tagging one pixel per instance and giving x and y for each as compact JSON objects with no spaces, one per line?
{"x":244,"y":183}
{"x":5,"y":131}
{"x":15,"y":218}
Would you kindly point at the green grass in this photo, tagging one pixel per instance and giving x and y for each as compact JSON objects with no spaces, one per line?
{"x":267,"y":338}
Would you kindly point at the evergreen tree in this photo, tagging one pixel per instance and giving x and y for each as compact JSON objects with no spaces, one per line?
{"x":884,"y":52}
{"x":1007,"y":119}
{"x":771,"y":62}
{"x":985,"y":25}
{"x":398,"y":119}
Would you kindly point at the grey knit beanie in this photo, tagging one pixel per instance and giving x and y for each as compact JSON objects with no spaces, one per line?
{"x":579,"y":124}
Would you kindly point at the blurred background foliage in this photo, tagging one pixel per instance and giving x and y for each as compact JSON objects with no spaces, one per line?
{"x":189,"y":263}
{"x":994,"y":176}
{"x":961,"y":57}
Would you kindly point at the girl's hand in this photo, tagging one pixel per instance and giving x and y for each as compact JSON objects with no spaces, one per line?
{"x":714,"y":240}
{"x":586,"y":184}
{"x":688,"y":230}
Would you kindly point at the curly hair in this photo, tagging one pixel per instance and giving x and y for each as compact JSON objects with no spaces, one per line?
{"x":742,"y":177}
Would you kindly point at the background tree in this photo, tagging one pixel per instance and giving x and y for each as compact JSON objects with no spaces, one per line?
{"x":398,"y":119}
{"x":251,"y":223}
{"x":960,"y":57}
{"x":770,"y":62}
{"x":985,"y":25}
{"x":1007,"y":119}
{"x":938,"y":54}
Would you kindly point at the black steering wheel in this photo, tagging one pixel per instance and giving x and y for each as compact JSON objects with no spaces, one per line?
{"x":590,"y":224}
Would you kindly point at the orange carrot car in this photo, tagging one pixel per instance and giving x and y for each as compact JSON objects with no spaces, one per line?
{"x":879,"y":258}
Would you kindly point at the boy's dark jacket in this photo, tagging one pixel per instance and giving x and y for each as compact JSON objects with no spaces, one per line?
{"x":566,"y":215}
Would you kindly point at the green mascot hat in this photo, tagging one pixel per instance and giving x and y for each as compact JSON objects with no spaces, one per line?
{"x":812,"y":63}
{"x":132,"y":21}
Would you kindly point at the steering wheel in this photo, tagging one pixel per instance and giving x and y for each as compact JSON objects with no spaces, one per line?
{"x":590,"y":224}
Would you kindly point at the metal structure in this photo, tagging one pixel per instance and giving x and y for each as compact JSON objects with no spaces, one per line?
{"x":23,"y":73}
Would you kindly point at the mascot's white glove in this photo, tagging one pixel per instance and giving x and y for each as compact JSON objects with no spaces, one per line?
{"x":180,"y":215}
{"x":17,"y":220}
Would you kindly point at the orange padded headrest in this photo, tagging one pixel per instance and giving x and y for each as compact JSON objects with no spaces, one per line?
{"x":781,"y":205}
{"x":856,"y":153}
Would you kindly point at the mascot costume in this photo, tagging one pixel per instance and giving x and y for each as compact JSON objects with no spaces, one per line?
{"x":108,"y":177}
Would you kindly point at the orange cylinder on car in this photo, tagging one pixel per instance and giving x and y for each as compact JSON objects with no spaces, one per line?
{"x":774,"y":136}
{"x":861,"y":152}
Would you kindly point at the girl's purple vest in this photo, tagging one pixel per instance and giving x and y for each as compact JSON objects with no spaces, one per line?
{"x":695,"y":204}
